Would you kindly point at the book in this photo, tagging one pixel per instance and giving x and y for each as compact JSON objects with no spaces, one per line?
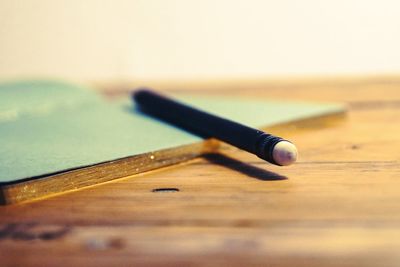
{"x":57,"y":136}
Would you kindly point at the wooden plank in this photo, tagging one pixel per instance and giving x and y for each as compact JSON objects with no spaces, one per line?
{"x":338,"y":206}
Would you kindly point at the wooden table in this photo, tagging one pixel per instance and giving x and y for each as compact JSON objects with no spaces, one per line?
{"x":338,"y":206}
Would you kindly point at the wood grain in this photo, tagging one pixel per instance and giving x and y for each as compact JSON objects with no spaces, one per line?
{"x":338,"y":206}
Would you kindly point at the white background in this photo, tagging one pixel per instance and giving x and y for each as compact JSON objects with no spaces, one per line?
{"x":182,"y":39}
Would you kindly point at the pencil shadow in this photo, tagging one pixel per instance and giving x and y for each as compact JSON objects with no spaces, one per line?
{"x":243,"y":167}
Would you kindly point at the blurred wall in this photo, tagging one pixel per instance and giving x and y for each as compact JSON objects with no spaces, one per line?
{"x":187,"y":39}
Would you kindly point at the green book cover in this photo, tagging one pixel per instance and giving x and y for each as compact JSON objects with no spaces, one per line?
{"x":49,"y":126}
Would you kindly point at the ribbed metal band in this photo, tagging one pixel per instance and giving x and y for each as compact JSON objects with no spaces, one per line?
{"x":265,"y":146}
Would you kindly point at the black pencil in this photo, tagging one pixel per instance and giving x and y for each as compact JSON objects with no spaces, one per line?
{"x":271,"y":148}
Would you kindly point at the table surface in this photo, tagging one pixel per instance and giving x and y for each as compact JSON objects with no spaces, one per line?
{"x":338,"y":206}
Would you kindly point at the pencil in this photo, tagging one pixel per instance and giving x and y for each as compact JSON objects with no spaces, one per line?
{"x":273,"y":149}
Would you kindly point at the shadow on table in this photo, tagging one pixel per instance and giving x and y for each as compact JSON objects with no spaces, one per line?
{"x":242,"y":167}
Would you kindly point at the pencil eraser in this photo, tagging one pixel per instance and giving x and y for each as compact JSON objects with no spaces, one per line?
{"x":284,"y":153}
